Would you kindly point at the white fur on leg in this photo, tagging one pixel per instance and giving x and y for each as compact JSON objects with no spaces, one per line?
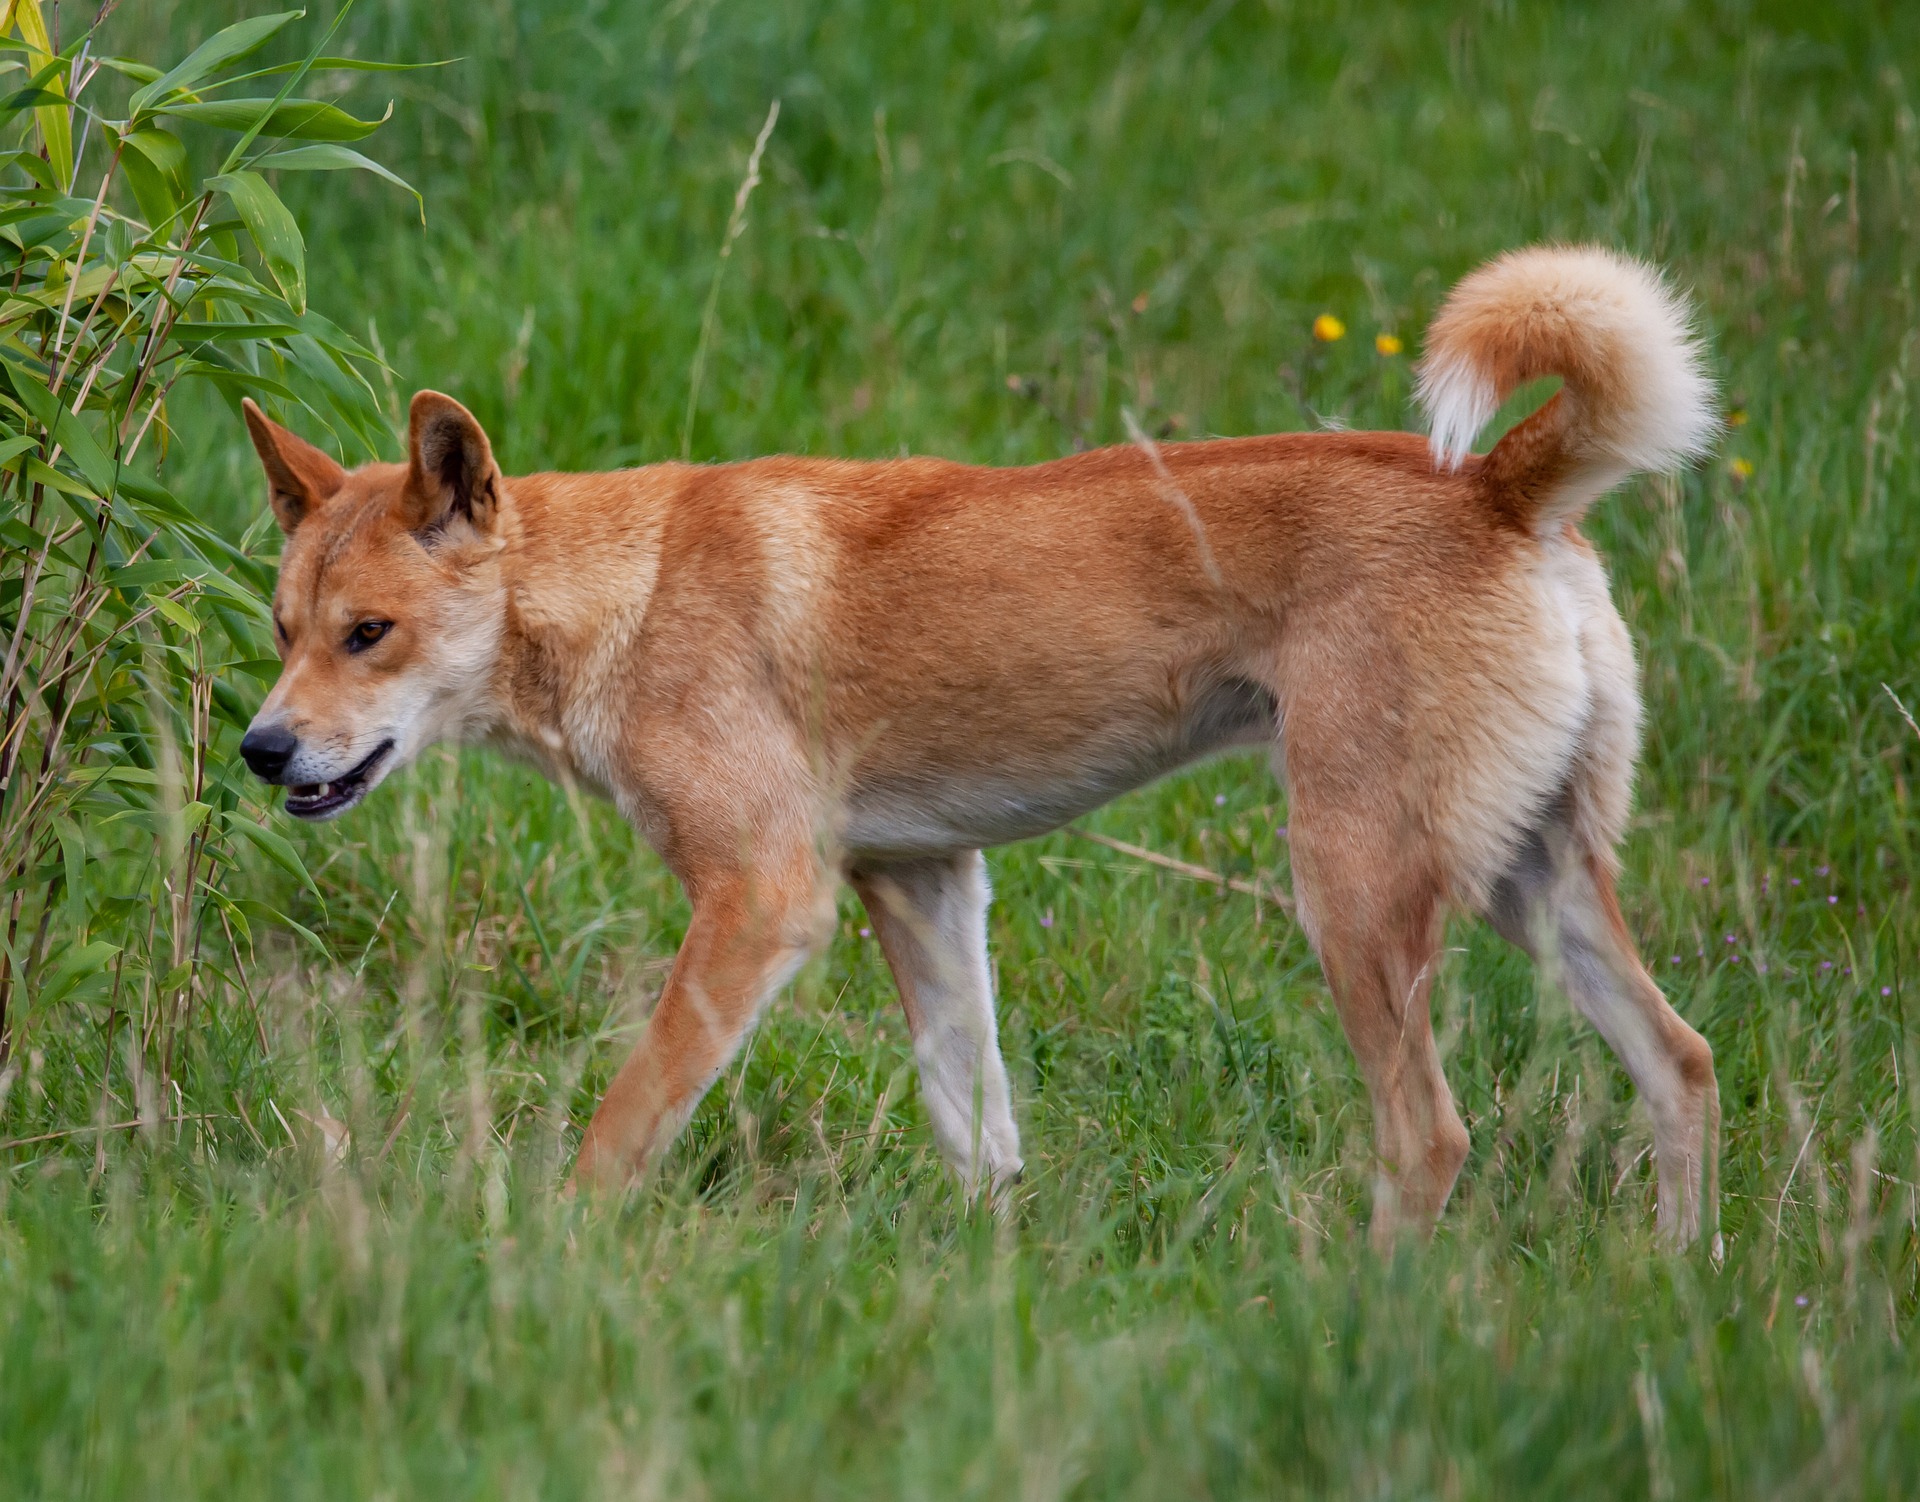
{"x":931,"y":915}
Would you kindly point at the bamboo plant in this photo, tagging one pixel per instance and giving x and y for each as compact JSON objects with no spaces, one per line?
{"x":132,"y":632}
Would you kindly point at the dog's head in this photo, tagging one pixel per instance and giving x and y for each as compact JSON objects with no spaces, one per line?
{"x":389,"y":611}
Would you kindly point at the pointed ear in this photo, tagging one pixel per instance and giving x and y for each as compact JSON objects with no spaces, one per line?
{"x":300,"y":478}
{"x":451,"y":475}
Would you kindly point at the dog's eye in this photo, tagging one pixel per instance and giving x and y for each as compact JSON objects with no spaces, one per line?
{"x":366,"y":634}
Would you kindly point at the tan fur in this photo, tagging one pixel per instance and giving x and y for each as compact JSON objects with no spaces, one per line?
{"x":790,"y":671}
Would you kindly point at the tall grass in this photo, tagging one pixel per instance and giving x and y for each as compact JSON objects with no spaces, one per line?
{"x":990,"y":233}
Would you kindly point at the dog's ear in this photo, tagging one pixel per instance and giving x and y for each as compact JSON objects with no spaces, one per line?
{"x":451,"y":475}
{"x":300,"y":479}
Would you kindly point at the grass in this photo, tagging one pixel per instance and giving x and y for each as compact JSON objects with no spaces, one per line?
{"x":985,"y":233}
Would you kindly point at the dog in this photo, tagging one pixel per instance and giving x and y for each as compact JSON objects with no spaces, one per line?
{"x":788,"y":672}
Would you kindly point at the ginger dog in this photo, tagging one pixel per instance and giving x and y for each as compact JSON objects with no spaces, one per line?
{"x":788,"y":672}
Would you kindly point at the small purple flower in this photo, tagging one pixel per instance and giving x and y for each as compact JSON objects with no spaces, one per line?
{"x":866,"y":933}
{"x":1675,"y":960}
{"x":1886,"y":990}
{"x":1219,"y":800}
{"x":1820,"y":870}
{"x":1729,"y":938}
{"x":1800,"y":1301}
{"x":1281,"y":831}
{"x":1704,"y":881}
{"x":1847,"y":971}
{"x":1046,"y":920}
{"x":1793,"y":881}
{"x":1826,"y":964}
{"x":1736,"y":959}
{"x":1831,"y":901}
{"x":1762,"y":969}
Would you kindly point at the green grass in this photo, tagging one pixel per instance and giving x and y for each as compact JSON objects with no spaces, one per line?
{"x":984,"y":234}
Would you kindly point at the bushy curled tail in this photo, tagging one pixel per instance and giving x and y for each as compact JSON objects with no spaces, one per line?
{"x":1635,"y":393}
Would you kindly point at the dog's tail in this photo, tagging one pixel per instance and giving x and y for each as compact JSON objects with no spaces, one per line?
{"x":1635,"y":393}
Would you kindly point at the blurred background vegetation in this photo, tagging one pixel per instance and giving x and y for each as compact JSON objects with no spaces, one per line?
{"x":332,"y":1261}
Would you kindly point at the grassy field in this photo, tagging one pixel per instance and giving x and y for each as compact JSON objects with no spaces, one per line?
{"x":986,"y":234}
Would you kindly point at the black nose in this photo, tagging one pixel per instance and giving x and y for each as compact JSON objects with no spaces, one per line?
{"x":267,"y":751}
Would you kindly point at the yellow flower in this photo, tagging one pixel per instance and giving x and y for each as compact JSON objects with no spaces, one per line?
{"x":1327,"y":328}
{"x":1737,"y":418}
{"x":1388,"y":344}
{"x":1741,"y":469}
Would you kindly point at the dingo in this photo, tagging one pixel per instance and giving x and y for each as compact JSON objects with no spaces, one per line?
{"x":790,"y":671}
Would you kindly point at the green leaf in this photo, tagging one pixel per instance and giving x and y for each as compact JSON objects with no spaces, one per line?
{"x":216,"y":51}
{"x":26,"y":99}
{"x":350,"y":64}
{"x":174,"y":611}
{"x":186,"y":332}
{"x":155,"y":163}
{"x":330,"y":158}
{"x":306,"y":119}
{"x":275,"y":846}
{"x":56,"y":125}
{"x":68,"y":431}
{"x":233,"y":911}
{"x":154,"y":571}
{"x":126,"y":66}
{"x":73,"y":852}
{"x":87,"y":962}
{"x":272,"y":228}
{"x":241,"y":382}
{"x":31,"y":163}
{"x":260,"y":669}
{"x":264,"y":914}
{"x":38,"y":472}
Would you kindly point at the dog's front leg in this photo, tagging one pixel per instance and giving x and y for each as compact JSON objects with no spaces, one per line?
{"x":749,"y":934}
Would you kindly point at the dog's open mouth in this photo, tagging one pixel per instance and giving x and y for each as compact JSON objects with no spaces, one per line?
{"x":322,"y":800}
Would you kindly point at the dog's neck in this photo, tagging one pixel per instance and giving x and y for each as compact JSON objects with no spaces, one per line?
{"x":569,"y":545}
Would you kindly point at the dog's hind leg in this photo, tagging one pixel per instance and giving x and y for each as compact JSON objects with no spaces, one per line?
{"x":1557,"y":902}
{"x":1372,"y":908}
{"x":749,"y":933}
{"x":931,"y":918}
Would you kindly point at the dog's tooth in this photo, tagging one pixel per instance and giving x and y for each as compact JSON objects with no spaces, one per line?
{"x":323,"y":790}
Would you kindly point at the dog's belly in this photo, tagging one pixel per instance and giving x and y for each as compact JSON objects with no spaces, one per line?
{"x":1020,"y":795}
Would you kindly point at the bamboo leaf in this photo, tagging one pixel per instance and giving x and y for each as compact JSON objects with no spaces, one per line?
{"x":87,"y":962}
{"x":223,"y":47}
{"x":127,"y":67}
{"x":351,"y":65}
{"x":73,"y":852}
{"x":200,"y":332}
{"x":56,"y":125}
{"x":331,"y":158}
{"x":275,"y":846}
{"x":273,"y":230}
{"x":68,"y":431}
{"x":174,"y":611}
{"x":38,"y":472}
{"x":155,"y":163}
{"x":305,"y":119}
{"x":268,"y":914}
{"x":31,"y":163}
